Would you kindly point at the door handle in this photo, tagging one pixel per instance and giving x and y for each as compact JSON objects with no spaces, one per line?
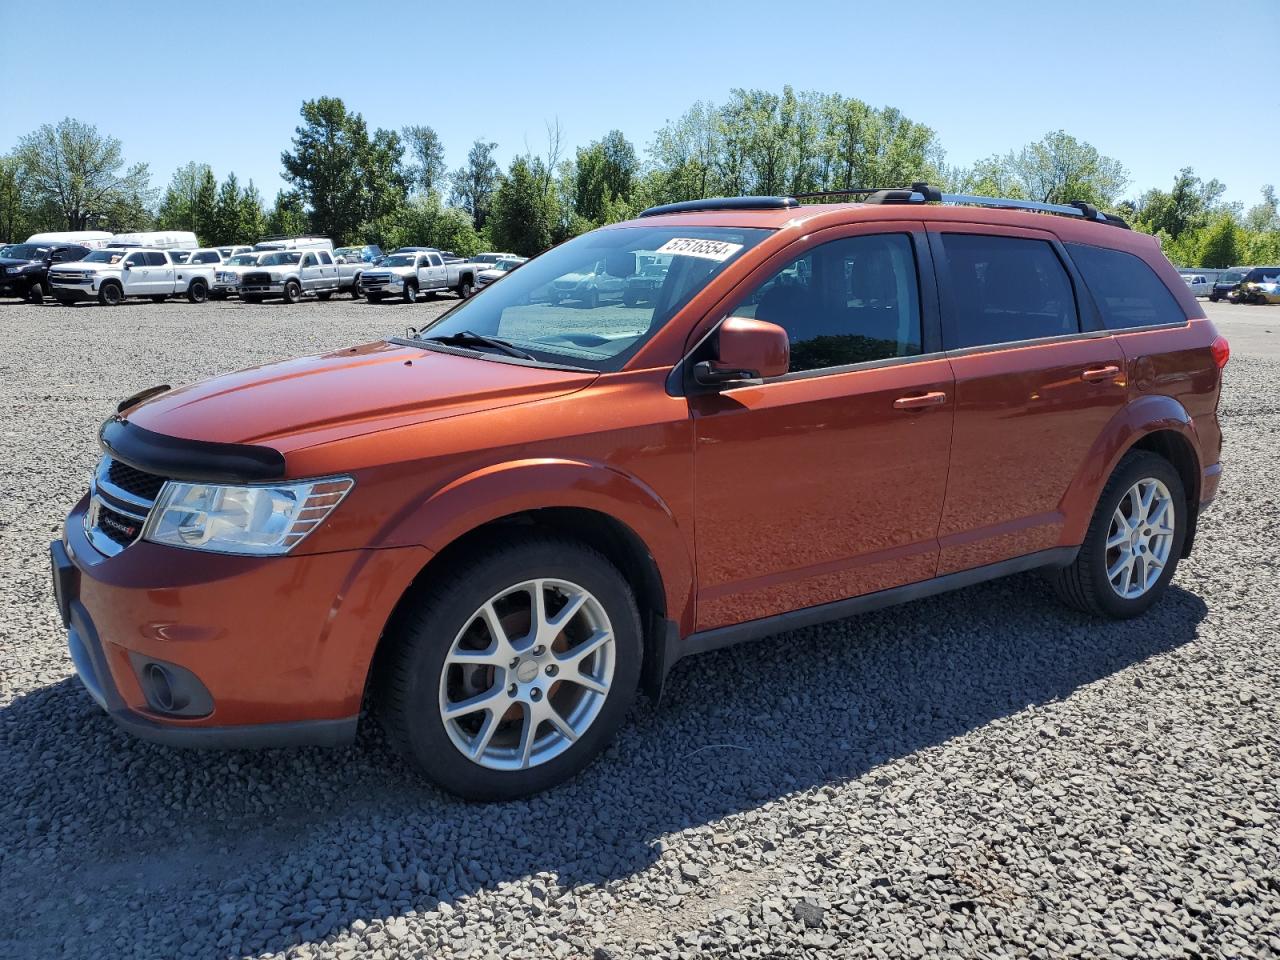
{"x":919,"y":401}
{"x":1098,"y":374}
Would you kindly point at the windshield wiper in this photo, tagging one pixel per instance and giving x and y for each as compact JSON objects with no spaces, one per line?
{"x":465,"y":338}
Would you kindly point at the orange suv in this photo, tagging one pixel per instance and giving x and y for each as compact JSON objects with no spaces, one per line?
{"x":500,"y":527}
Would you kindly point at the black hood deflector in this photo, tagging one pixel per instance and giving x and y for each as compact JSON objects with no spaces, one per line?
{"x":177,"y":458}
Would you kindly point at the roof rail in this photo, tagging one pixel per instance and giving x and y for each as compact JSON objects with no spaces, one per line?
{"x":923,"y":193}
{"x":723,"y":203}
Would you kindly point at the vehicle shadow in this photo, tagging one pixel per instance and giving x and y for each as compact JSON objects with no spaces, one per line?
{"x":275,"y":848}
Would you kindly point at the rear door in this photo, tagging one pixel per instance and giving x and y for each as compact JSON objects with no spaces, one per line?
{"x":160,"y":273}
{"x":1036,"y":380}
{"x":328,"y":271}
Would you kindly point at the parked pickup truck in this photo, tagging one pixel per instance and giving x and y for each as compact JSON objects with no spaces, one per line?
{"x":112,"y":274}
{"x":290,"y":275}
{"x":406,"y":275}
{"x":226,"y":280}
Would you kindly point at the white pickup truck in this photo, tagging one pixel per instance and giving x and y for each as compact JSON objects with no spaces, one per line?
{"x":410,"y":274}
{"x":291,"y":275}
{"x":112,"y":274}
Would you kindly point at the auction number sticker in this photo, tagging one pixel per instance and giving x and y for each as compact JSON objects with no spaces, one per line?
{"x":717,"y":250}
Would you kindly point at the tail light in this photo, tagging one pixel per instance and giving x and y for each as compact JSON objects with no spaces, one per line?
{"x":1221,"y":351}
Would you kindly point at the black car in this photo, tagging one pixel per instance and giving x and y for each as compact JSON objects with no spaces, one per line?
{"x":24,"y":267}
{"x":1228,"y":285}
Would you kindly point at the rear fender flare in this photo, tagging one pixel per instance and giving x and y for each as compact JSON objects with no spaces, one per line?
{"x":1145,"y":415}
{"x":514,"y":487}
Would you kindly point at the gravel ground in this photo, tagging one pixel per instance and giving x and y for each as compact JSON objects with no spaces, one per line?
{"x":981,"y":774}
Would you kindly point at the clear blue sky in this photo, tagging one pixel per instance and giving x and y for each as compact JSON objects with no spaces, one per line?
{"x":1159,"y":86}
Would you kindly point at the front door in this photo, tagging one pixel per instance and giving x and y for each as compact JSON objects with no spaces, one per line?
{"x":1036,"y":382}
{"x":135,"y":278}
{"x":433,"y":273}
{"x":828,"y":482}
{"x":309,"y":274}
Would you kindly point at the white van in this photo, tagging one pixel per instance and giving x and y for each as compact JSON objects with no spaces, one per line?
{"x":158,"y":240}
{"x":94,"y":239}
{"x":295,"y":243}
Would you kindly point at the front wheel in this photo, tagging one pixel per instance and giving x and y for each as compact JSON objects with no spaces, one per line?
{"x":1135,"y":538}
{"x":355,"y":288}
{"x":292,"y":292}
{"x":110,"y":295}
{"x":509,"y":673}
{"x":410,"y":293}
{"x":35,"y":292}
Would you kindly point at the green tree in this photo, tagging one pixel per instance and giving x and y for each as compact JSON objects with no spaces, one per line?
{"x":1188,"y":206}
{"x":227,"y":210}
{"x":1220,"y":245}
{"x":253,"y":218}
{"x":345,"y":177}
{"x":524,"y":214}
{"x":1058,"y":168}
{"x":474,"y":184}
{"x":426,"y":171}
{"x":204,"y":211}
{"x":287,"y":217}
{"x":81,"y":173}
{"x":178,"y":206}
{"x":1264,"y":216}
{"x":604,"y":174}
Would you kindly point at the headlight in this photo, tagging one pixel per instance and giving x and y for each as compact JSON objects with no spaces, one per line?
{"x":259,"y":521}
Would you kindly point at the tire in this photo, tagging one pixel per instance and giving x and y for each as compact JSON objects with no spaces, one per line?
{"x":355,"y":287}
{"x":415,"y":677}
{"x":1084,"y":584}
{"x":1213,"y":298}
{"x":328,"y":294}
{"x":251,"y":298}
{"x":198,"y":292}
{"x":465,"y":290}
{"x":35,"y":292}
{"x":292,"y":291}
{"x":410,"y":294}
{"x":110,"y":295}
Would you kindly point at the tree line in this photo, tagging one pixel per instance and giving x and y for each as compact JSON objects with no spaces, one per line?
{"x":392,"y":187}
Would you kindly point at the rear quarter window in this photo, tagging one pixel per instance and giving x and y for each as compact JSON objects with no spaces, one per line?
{"x":1126,"y":289}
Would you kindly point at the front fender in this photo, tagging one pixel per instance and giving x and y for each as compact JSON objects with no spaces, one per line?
{"x":501,"y":490}
{"x":1144,"y":415}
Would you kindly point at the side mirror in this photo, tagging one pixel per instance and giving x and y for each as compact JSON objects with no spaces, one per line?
{"x":748,"y":349}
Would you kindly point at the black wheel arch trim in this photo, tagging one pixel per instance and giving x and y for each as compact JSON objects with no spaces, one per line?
{"x":179,"y":458}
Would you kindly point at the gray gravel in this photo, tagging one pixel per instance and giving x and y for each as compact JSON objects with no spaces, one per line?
{"x":983,"y":774}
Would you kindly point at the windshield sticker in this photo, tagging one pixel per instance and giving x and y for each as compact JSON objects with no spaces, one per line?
{"x":716,"y":250}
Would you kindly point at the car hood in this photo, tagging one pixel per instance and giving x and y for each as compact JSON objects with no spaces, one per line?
{"x":13,"y":262}
{"x":575,"y":278}
{"x":299,"y":403}
{"x":79,"y":266}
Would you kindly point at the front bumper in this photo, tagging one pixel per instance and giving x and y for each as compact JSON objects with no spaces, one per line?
{"x":376,"y":286}
{"x":274,"y":289}
{"x":266,"y":651}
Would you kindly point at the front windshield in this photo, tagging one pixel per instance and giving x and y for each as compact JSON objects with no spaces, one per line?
{"x":280,"y":258}
{"x":571,"y":305}
{"x":24,"y":251}
{"x":486,"y":258}
{"x":1233,"y":276}
{"x":106,"y":256}
{"x":506,"y":265}
{"x":1263,"y":275}
{"x":244,"y":259}
{"x":399,"y":260}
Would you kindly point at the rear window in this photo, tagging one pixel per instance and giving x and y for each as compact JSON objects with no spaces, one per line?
{"x":1126,"y":289}
{"x":1005,"y":289}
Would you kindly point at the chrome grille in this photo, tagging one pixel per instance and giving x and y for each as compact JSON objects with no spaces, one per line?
{"x":120,"y":500}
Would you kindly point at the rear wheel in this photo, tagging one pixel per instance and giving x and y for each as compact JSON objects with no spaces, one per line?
{"x":512,"y":671}
{"x":110,"y":295}
{"x":198,"y":292}
{"x":292,"y":292}
{"x":1135,"y":538}
{"x":466,"y":290}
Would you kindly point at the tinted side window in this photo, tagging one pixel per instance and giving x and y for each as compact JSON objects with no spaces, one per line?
{"x":434,"y":260}
{"x":848,"y":301}
{"x":1005,"y":289}
{"x":324,"y":257}
{"x":309,"y":260}
{"x":136,"y":259}
{"x":1127,"y":291}
{"x":156,"y":259}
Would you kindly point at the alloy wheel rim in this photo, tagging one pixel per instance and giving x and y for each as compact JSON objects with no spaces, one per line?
{"x":1140,"y":538}
{"x":527,"y":674}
